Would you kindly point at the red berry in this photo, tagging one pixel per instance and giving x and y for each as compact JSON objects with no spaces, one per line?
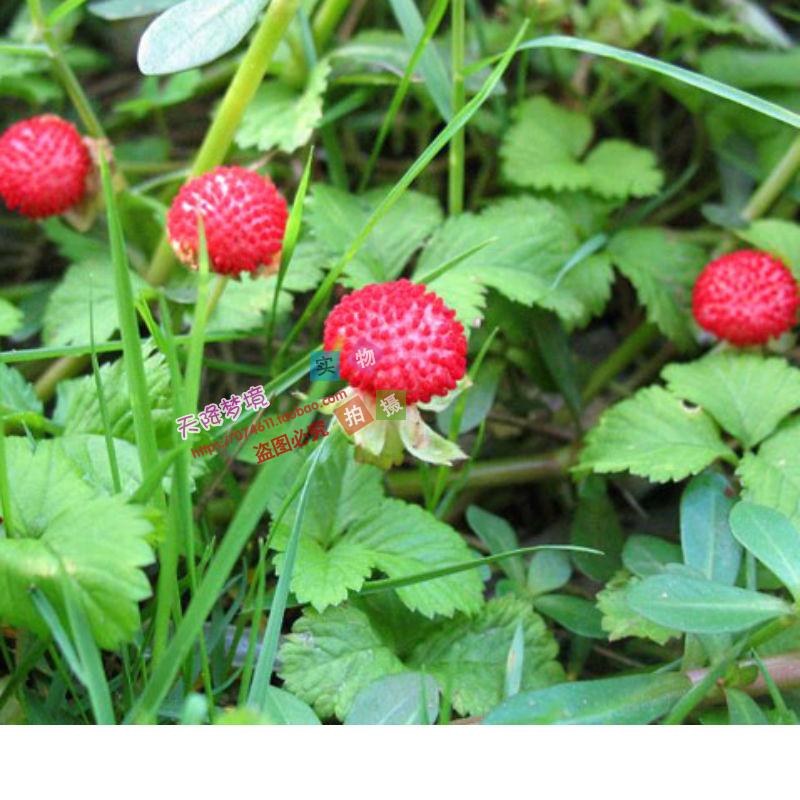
{"x":746,"y":297}
{"x":44,"y":165}
{"x":244,"y":216}
{"x":418,"y":346}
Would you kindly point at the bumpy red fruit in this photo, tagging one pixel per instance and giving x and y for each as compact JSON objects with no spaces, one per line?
{"x":746,"y":298}
{"x":244,"y":216}
{"x":411,"y":335}
{"x":44,"y":165}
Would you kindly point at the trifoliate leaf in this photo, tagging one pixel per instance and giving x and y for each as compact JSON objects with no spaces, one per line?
{"x":663,"y":270}
{"x":328,"y":657}
{"x":534,"y":240}
{"x":350,"y":529}
{"x":336,"y":218}
{"x":281,"y":117}
{"x":10,"y":318}
{"x":653,"y":435}
{"x":618,"y":168}
{"x":771,"y":477}
{"x":620,"y":620}
{"x":469,"y":655}
{"x":780,"y":237}
{"x":66,"y":318}
{"x":731,"y":387}
{"x":544,"y":146}
{"x":63,"y":532}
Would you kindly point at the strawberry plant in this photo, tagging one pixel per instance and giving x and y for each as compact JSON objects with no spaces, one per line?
{"x":534,"y":295}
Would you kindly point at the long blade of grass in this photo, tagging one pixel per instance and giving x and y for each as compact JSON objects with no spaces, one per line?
{"x":129,"y":329}
{"x":154,"y":477}
{"x":269,"y":649}
{"x":681,"y":74}
{"x":83,"y":657}
{"x":289,"y":243}
{"x":370,"y":587}
{"x":237,"y":535}
{"x":399,"y":188}
{"x":101,"y":399}
{"x":434,"y":72}
{"x":62,"y":9}
{"x":5,"y":486}
{"x":434,"y":19}
{"x":453,"y":262}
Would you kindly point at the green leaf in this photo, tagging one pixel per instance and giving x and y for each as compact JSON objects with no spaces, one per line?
{"x":10,"y":318}
{"x":280,"y":117}
{"x":66,"y":318}
{"x":630,"y":700}
{"x":576,"y":614}
{"x":534,"y":239}
{"x":154,"y":94}
{"x":543,"y":147}
{"x":772,"y":476}
{"x":468,"y":655}
{"x":336,"y":217}
{"x":283,"y":708}
{"x":662,"y":269}
{"x":696,"y":605}
{"x":653,"y":435}
{"x":648,"y":555}
{"x":619,"y":620}
{"x":64,"y":532}
{"x":596,"y":525}
{"x":396,"y":700}
{"x":16,"y":394}
{"x":706,"y":539}
{"x":245,"y":303}
{"x":777,"y":236}
{"x":732,"y":387}
{"x":743,"y":710}
{"x":328,"y":658}
{"x":352,"y":529}
{"x":194,"y":33}
{"x":619,"y":169}
{"x":772,"y":539}
{"x":548,"y":570}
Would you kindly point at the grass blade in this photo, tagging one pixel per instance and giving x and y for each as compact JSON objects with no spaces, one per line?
{"x":289,"y":242}
{"x":266,"y":659}
{"x":370,"y":587}
{"x":681,"y":74}
{"x":434,"y":72}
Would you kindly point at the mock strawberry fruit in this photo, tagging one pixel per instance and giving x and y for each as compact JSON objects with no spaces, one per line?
{"x":244,"y":217}
{"x":746,"y":298}
{"x":44,"y":166}
{"x":398,"y":336}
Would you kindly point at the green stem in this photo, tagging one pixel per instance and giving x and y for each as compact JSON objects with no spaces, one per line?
{"x":455,"y":188}
{"x":776,"y":182}
{"x":619,"y":359}
{"x":5,"y":488}
{"x":493,"y":472}
{"x":240,"y":92}
{"x":326,"y":20}
{"x":65,"y":74}
{"x":65,"y":367}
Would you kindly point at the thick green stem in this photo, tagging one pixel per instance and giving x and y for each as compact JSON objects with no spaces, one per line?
{"x":494,"y":472}
{"x":776,"y":182}
{"x":455,"y":188}
{"x":240,"y":92}
{"x":326,"y":20}
{"x":64,"y":72}
{"x":5,"y":488}
{"x":619,"y":359}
